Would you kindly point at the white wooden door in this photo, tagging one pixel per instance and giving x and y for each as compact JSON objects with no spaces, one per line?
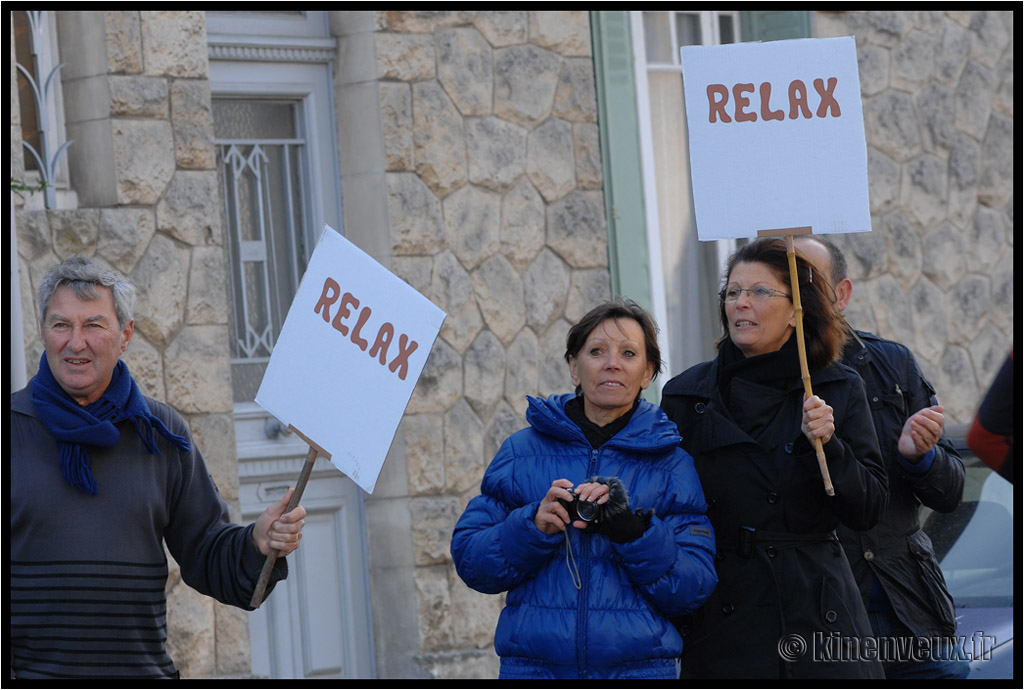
{"x":315,"y":624}
{"x":274,"y":127}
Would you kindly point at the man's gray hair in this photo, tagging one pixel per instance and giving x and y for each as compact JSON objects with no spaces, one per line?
{"x":83,"y":275}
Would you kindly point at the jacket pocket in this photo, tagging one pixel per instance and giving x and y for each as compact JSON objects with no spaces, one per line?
{"x":889,"y":413}
{"x":834,"y":614}
{"x":920,"y":546}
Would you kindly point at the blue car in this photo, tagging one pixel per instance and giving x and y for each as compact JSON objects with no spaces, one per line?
{"x":975,"y":548}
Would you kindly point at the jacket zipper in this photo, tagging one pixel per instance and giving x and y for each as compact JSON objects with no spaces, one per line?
{"x":581,"y":611}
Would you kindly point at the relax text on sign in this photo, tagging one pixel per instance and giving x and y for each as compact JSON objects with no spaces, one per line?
{"x":776,"y":137}
{"x":385,"y":332}
{"x":349,"y":355}
{"x":799,"y":102}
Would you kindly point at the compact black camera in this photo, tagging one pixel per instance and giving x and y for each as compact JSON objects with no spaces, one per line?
{"x":618,"y":502}
{"x":582,"y":510}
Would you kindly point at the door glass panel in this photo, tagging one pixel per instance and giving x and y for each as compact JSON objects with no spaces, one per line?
{"x":240,"y":119}
{"x":261,"y":160}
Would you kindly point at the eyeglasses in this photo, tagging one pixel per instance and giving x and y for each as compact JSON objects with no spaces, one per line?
{"x":758,"y":293}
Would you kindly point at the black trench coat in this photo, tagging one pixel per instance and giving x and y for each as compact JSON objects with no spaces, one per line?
{"x":786,"y":605}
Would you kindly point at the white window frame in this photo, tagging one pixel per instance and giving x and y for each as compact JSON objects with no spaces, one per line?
{"x":48,"y":51}
{"x":294,"y":58}
{"x":272,"y":27}
{"x":709,"y":27}
{"x":723,"y":248}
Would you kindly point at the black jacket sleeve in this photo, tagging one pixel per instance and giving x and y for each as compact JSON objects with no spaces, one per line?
{"x":942,"y":486}
{"x":854,"y":461}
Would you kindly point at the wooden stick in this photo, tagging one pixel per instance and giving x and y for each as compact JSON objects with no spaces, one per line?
{"x":802,"y":350}
{"x":268,"y":565}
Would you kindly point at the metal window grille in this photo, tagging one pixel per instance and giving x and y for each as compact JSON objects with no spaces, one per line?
{"x":263,"y":185}
{"x":40,"y":102}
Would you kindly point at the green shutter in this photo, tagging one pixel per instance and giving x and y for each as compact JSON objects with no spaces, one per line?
{"x":775,"y":25}
{"x":620,"y":156}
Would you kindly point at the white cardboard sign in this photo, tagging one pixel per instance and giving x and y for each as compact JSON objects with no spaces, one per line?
{"x":350,"y":352}
{"x":776,"y":133}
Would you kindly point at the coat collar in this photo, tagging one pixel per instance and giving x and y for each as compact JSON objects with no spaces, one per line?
{"x":649,"y":430}
{"x":856,"y":352}
{"x":701,"y":381}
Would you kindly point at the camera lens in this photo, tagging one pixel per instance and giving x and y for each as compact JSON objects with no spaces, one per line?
{"x":586,"y":510}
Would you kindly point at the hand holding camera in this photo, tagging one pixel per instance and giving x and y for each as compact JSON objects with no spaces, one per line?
{"x":582,"y":509}
{"x":562,"y":504}
{"x":601,"y":504}
{"x":614,"y":519}
{"x":551,"y":516}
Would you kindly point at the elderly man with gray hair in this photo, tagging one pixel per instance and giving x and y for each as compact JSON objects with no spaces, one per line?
{"x":101,"y":478}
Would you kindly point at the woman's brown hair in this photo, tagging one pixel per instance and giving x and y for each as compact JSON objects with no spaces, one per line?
{"x":619,"y":308}
{"x":824,"y":327}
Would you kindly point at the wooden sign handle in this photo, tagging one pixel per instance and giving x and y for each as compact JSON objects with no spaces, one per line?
{"x":268,"y":565}
{"x":802,"y":349}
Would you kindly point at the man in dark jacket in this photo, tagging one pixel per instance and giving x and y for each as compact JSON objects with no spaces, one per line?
{"x":894,"y":563}
{"x":102,"y":478}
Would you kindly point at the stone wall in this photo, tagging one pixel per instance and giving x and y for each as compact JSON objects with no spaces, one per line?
{"x":936,"y":271}
{"x":491,"y":204}
{"x":137,"y":105}
{"x":496,"y":214}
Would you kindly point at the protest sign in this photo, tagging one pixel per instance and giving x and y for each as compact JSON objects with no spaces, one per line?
{"x":777,"y":148}
{"x":776,"y":133}
{"x":350,"y":352}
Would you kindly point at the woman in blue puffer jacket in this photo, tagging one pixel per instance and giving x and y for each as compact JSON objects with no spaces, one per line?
{"x":592,"y":599}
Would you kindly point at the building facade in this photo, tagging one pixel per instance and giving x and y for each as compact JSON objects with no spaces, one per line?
{"x":514,"y":167}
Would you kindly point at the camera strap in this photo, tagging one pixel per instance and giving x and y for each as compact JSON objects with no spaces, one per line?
{"x":570,"y":561}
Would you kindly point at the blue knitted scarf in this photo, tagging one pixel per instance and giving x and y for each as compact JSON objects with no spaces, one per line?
{"x":75,"y":426}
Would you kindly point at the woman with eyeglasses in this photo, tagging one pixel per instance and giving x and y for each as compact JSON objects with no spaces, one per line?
{"x":786,"y":605}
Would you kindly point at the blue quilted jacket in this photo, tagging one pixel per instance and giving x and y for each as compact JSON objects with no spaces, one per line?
{"x":616,"y":624}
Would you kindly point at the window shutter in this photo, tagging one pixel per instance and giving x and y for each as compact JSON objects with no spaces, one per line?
{"x":620,"y":155}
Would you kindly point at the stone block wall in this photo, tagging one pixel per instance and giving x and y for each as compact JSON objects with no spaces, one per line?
{"x":936,"y":270}
{"x":137,"y":105}
{"x":496,"y":213}
{"x":491,"y":192}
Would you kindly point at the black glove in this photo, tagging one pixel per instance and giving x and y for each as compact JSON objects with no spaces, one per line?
{"x":623,"y":527}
